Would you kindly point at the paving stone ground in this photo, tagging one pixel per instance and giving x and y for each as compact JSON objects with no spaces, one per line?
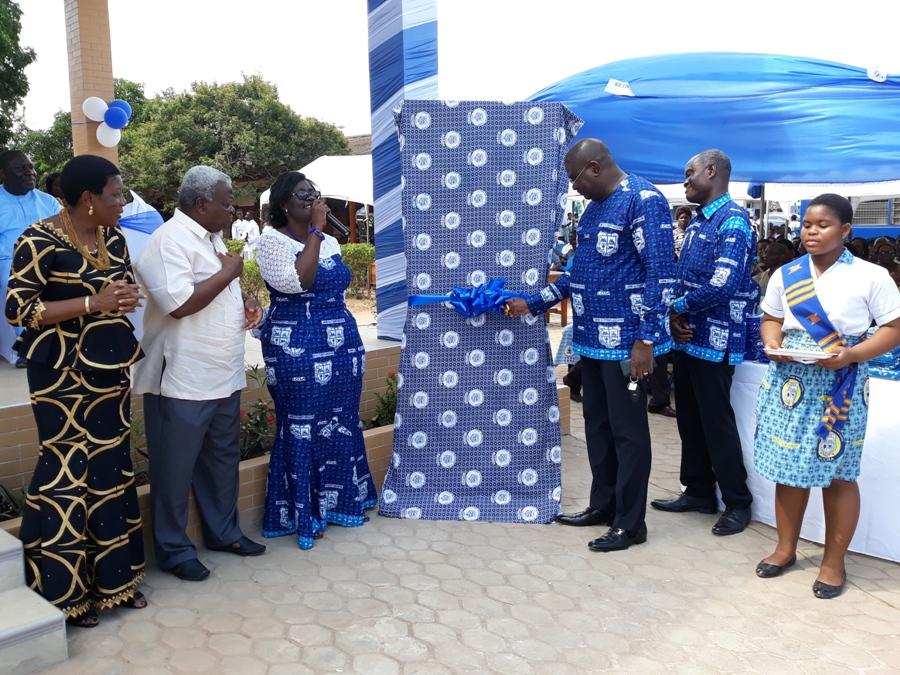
{"x":455,"y":597}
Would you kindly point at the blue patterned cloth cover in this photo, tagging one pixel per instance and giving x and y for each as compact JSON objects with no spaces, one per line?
{"x":477,"y":427}
{"x":315,"y":360}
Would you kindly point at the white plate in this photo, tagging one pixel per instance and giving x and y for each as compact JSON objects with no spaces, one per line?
{"x":802,"y":355}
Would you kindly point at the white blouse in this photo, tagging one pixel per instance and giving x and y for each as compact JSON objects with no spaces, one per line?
{"x":853,"y":293}
{"x":277,"y":254}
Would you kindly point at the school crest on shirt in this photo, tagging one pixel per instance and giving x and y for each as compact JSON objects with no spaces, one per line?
{"x":334,"y":336}
{"x":720,"y":276}
{"x":637,"y":303}
{"x":737,"y":310}
{"x":718,"y":338}
{"x":637,"y":235}
{"x":832,"y":447}
{"x":791,"y":393}
{"x":322,"y":371}
{"x":607,"y":243}
{"x":577,"y":303}
{"x":327,"y":263}
{"x":609,"y":336}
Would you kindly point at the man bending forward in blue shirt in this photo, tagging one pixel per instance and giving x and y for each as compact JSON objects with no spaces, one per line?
{"x":620,"y":286}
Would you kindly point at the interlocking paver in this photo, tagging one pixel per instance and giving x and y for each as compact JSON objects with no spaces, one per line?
{"x":434,"y":598}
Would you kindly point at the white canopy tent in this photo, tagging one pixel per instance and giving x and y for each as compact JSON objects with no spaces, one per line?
{"x":347,"y":177}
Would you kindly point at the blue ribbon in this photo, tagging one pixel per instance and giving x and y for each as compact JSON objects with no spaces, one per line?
{"x":472,"y":302}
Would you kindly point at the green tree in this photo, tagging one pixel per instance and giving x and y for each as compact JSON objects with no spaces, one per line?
{"x":239,"y":127}
{"x":13,"y":60}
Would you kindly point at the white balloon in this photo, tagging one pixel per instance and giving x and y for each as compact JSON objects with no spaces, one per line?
{"x":107,"y":136}
{"x":94,"y":108}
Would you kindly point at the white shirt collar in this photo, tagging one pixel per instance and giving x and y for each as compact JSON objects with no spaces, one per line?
{"x":192,"y":225}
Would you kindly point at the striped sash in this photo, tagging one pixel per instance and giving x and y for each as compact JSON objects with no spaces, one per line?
{"x":800,"y":292}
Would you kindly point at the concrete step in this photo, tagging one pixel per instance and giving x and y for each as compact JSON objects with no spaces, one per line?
{"x":12,"y":571}
{"x":32,"y":633}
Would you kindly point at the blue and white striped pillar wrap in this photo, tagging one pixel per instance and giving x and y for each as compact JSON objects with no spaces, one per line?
{"x":403,"y":63}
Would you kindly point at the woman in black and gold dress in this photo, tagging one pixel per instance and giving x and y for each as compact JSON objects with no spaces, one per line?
{"x":70,"y":287}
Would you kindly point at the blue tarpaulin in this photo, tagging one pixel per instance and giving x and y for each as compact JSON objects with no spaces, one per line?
{"x":780,"y":118}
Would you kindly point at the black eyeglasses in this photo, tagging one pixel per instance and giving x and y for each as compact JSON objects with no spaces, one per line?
{"x":306,"y":195}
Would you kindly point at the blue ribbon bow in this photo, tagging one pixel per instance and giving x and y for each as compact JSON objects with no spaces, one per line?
{"x":472,"y":302}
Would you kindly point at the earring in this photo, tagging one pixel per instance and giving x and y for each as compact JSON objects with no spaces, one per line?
{"x":91,"y":210}
{"x":285,"y":210}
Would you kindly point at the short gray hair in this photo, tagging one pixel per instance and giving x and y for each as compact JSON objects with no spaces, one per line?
{"x":200,"y":182}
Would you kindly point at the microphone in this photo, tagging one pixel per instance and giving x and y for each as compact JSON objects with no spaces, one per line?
{"x":337,"y":225}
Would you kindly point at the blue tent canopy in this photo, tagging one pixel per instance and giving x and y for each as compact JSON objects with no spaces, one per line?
{"x":780,"y":118}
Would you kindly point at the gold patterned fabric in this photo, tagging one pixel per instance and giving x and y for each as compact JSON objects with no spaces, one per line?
{"x":47,"y":267}
{"x":81,"y":527}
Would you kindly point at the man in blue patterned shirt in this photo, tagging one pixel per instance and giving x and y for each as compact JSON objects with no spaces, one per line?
{"x":620,"y":286}
{"x":714,"y":295}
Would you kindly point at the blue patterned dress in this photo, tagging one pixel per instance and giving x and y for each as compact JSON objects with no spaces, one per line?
{"x":315,"y":359}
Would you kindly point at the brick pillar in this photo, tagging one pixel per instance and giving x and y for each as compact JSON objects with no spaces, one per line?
{"x":90,"y":69}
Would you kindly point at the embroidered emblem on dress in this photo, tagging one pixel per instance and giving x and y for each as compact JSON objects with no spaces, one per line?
{"x":322,"y":371}
{"x":737,"y":310}
{"x":609,"y":336}
{"x":607,"y":243}
{"x":718,"y":338}
{"x":335,"y":336}
{"x":328,"y":500}
{"x":301,"y":432}
{"x":355,"y":366}
{"x":271,"y":380}
{"x":832,"y":447}
{"x":720,"y":276}
{"x":577,"y":303}
{"x":327,"y":263}
{"x":791,"y":392}
{"x":281,"y":337}
{"x":284,"y":516}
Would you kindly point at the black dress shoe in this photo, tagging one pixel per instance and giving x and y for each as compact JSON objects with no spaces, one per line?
{"x":242,"y":547}
{"x":190,"y":570}
{"x":825,"y":591}
{"x":617,"y":539}
{"x":665,"y":411}
{"x":766,"y":570}
{"x":590,"y":516}
{"x":685,"y":502}
{"x":732,"y":522}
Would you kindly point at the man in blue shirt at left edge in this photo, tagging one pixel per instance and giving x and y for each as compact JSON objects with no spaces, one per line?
{"x":620,"y":286}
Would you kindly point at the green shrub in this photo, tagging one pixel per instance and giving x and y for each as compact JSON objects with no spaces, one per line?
{"x":386,"y":406}
{"x":252,"y":283}
{"x":235,"y":245}
{"x":358,"y":257}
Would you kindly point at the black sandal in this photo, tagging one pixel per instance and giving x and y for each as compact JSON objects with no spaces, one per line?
{"x":90,"y":619}
{"x":136,"y":601}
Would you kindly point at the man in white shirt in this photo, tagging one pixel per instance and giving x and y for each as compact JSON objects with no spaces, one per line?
{"x":248,"y":232}
{"x":193,"y":373}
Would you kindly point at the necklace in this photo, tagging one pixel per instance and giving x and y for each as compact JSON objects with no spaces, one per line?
{"x":99,"y":257}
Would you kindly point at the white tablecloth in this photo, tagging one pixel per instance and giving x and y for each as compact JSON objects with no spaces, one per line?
{"x":878,"y":532}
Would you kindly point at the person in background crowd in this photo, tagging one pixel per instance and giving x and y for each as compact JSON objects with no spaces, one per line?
{"x":192,"y":378}
{"x":812,"y":417}
{"x":624,"y":244}
{"x":715,"y":294}
{"x":859,"y":247}
{"x":246,"y":230}
{"x":315,"y":359}
{"x":759,"y":265}
{"x":52,"y":185}
{"x":21,"y":204}
{"x":885,"y":255}
{"x":70,"y":288}
{"x":780,"y":253}
{"x":793,"y":228}
{"x":683,"y":215}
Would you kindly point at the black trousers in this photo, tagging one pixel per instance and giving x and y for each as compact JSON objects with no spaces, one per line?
{"x":660,"y":389}
{"x":710,"y":445}
{"x":618,"y":443}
